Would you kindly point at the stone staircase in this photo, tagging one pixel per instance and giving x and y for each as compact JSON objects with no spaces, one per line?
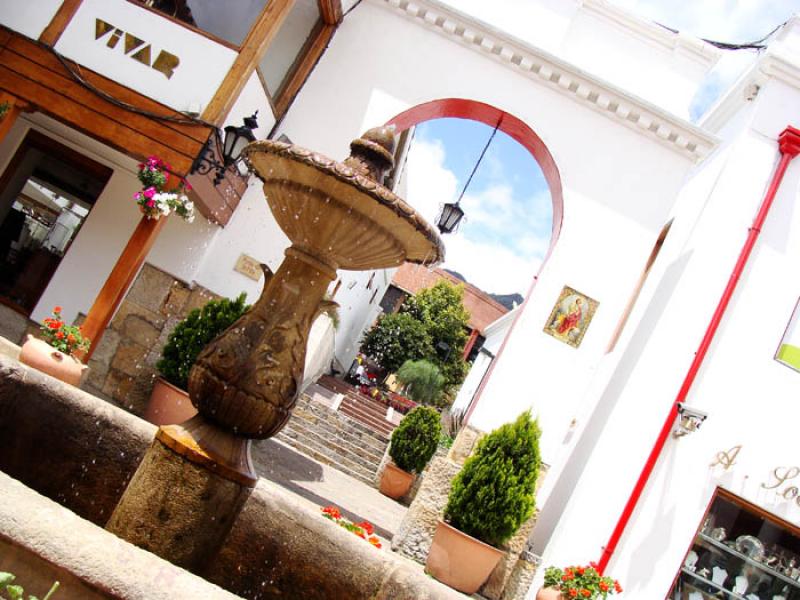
{"x":333,"y":438}
{"x":362,"y":408}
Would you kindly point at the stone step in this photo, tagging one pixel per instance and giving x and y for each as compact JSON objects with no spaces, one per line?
{"x":338,"y":424}
{"x":378,"y":424}
{"x":318,"y":454}
{"x":376,"y":409}
{"x":338,"y":444}
{"x":345,"y":436}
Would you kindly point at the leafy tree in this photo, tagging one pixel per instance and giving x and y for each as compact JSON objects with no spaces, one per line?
{"x":395,"y":339}
{"x":441,"y":310}
{"x":193,"y":333}
{"x":415,"y":439}
{"x":422,"y":381}
{"x":432,"y":326}
{"x":494,"y":493}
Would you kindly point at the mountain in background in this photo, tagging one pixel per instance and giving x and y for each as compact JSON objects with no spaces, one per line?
{"x":507,"y":300}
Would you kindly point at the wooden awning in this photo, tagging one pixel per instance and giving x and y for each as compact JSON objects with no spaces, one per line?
{"x":32,"y":72}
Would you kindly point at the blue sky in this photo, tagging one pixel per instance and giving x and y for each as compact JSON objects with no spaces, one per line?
{"x":506,"y":232}
{"x":509,"y":213}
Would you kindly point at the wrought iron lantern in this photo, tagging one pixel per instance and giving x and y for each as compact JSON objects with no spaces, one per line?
{"x":449,"y":217}
{"x":236,"y":138}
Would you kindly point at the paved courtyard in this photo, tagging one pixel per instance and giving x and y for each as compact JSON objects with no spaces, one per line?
{"x":322,"y":485}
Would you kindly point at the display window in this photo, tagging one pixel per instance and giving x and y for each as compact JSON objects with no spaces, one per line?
{"x":740,"y":552}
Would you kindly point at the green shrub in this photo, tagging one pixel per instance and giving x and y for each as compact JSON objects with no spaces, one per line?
{"x":422,"y":381}
{"x":15,"y":592}
{"x":395,"y":339}
{"x":194,"y":333}
{"x":414,"y":441}
{"x":493,"y":495}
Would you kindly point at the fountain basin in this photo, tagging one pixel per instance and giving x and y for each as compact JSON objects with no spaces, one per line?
{"x":342,"y":216}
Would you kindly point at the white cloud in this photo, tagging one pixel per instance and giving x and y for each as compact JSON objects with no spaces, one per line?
{"x":498,"y":250}
{"x":491,"y":267}
{"x":429,"y":183}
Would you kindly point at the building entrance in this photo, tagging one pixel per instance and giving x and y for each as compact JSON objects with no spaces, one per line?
{"x":46,"y":193}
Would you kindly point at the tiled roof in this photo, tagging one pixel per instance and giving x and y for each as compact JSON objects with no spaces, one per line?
{"x":483,"y":309}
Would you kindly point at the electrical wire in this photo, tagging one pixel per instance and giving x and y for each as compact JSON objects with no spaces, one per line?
{"x":75,"y":73}
{"x":754,"y":45}
{"x":480,"y":158}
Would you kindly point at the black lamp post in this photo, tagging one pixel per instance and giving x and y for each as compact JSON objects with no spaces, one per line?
{"x":236,"y":138}
{"x":449,"y":217}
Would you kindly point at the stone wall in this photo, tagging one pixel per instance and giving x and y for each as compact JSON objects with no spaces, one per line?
{"x":123,"y":367}
{"x":41,"y":542}
{"x":512,"y":576}
{"x":81,"y":451}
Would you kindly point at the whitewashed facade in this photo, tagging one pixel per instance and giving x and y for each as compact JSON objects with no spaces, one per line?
{"x":608,"y":96}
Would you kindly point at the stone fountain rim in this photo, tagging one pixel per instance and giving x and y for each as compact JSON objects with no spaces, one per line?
{"x":365,"y":185}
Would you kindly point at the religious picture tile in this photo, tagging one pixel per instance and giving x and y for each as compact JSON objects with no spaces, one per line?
{"x":570,"y":317}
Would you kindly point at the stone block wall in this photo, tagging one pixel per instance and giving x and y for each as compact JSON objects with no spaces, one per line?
{"x":513,"y":575}
{"x":123,"y":367}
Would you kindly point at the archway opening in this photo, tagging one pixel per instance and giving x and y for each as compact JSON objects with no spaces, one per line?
{"x":483,"y":361}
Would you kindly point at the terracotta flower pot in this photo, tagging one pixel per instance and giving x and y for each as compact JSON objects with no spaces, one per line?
{"x":459,"y":560}
{"x":547,"y":593}
{"x":395,"y":482}
{"x":40,"y":355}
{"x":169,"y":405}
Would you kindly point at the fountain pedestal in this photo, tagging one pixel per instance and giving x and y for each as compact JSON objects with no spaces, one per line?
{"x":194,"y":479}
{"x":183,"y":498}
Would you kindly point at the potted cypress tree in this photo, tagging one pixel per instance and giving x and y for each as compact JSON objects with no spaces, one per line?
{"x":413,"y":443}
{"x":491,"y":497}
{"x":169,"y":400}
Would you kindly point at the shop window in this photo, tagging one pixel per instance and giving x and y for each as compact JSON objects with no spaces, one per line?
{"x":46,"y":192}
{"x":740,"y":552}
{"x":789,"y":351}
{"x":287,"y":47}
{"x":228,"y":21}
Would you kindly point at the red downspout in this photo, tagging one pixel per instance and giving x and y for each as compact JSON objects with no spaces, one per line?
{"x":789,"y":144}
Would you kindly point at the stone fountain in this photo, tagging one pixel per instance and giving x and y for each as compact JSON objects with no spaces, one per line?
{"x":195,"y":477}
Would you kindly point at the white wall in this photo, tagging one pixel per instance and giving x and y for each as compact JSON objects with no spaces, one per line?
{"x":639,"y":56}
{"x":30,"y":17}
{"x":203,"y":62}
{"x":751,"y":398}
{"x":618,"y":186}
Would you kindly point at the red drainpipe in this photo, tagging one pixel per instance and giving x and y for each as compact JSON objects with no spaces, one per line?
{"x":789,"y":145}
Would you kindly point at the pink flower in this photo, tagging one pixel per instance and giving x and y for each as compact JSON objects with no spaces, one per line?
{"x":150,"y":192}
{"x":151,"y":203}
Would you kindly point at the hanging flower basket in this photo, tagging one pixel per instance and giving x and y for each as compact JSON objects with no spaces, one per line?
{"x":163,"y":193}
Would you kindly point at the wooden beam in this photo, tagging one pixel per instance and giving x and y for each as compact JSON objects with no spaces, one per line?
{"x":253,"y":48}
{"x":119,"y":280}
{"x":32,"y":73}
{"x":59,"y":23}
{"x":15,"y":107}
{"x":331,"y":11}
{"x":308,"y":59}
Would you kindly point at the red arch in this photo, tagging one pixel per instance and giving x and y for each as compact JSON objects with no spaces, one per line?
{"x":478,"y":111}
{"x":460,"y":108}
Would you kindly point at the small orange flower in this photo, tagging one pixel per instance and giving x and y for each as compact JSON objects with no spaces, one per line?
{"x":60,"y":335}
{"x":57,"y":310}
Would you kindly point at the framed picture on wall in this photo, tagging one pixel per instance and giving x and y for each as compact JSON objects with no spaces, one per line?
{"x":571,"y":316}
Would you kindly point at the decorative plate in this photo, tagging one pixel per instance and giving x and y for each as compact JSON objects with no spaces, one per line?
{"x":750,"y":546}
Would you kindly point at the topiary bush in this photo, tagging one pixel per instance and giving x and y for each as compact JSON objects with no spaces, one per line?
{"x":193,"y":333}
{"x":422,"y":381}
{"x":415,"y":439}
{"x":493,"y":495}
